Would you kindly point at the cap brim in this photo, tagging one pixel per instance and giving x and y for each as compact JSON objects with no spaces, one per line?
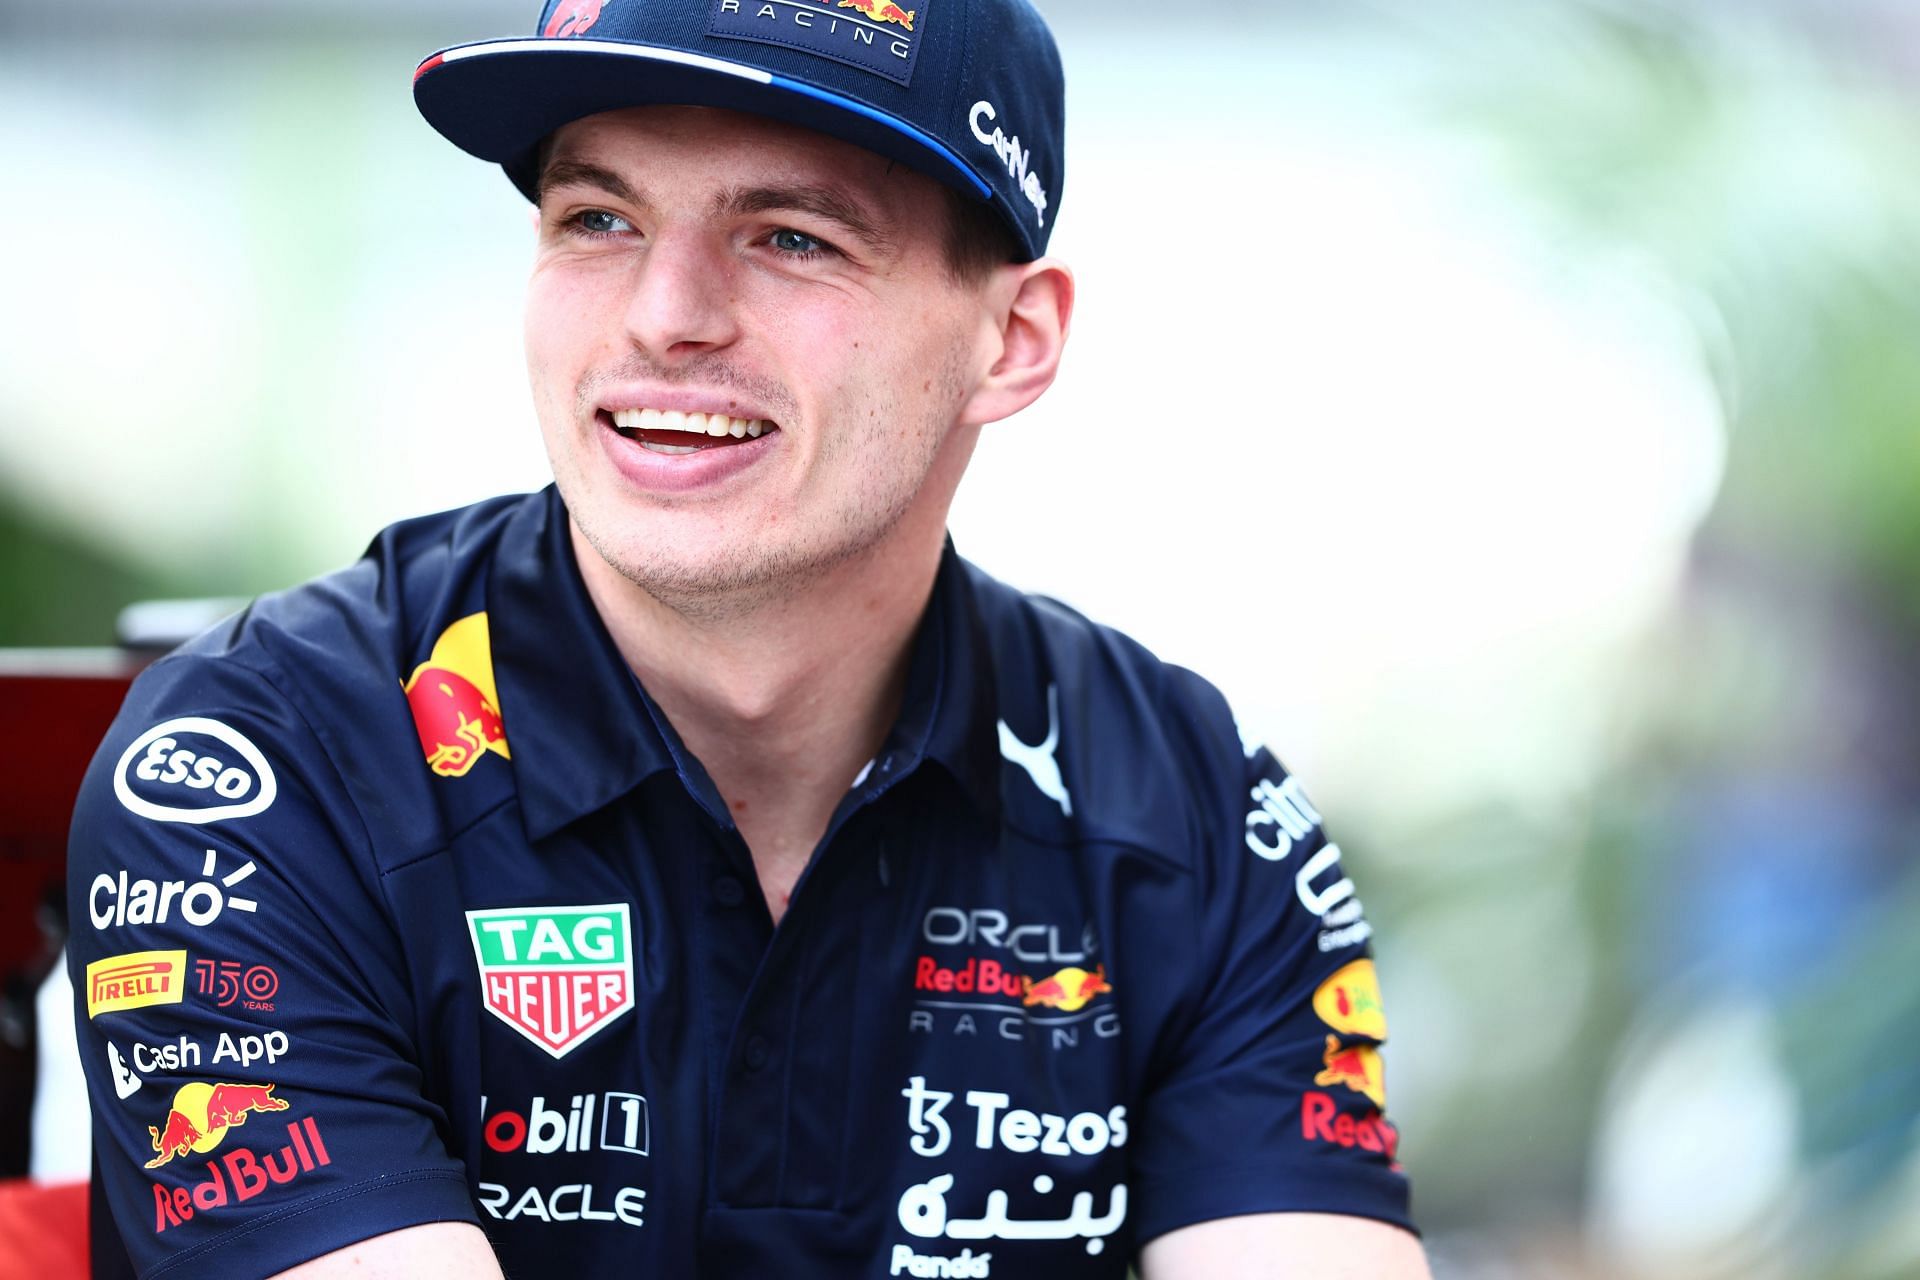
{"x":498,"y":99}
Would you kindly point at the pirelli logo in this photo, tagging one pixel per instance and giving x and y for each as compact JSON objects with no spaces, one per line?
{"x":135,"y":980}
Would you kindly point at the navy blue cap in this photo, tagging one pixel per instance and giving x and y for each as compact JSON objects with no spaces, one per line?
{"x":969,"y":92}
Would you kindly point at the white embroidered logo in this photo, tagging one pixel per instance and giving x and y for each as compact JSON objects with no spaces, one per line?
{"x":1011,"y":154}
{"x":1038,"y":760}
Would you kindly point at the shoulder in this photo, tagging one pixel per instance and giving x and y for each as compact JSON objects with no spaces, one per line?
{"x":1149,"y":751}
{"x":305,"y":686}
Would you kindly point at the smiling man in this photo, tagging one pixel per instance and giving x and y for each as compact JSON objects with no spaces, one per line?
{"x":697,"y":868}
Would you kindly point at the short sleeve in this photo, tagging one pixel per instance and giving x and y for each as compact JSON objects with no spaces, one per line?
{"x":1273,"y":1099}
{"x":240,"y":991}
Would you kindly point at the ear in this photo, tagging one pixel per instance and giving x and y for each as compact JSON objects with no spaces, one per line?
{"x":1030,"y":306}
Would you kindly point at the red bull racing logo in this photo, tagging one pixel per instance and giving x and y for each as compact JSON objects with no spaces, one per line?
{"x":1357,"y":1067}
{"x":1054,"y":1009}
{"x":880,"y":36}
{"x":1067,"y":990}
{"x":1349,"y":1002}
{"x":202,"y":1113}
{"x":456,"y":709}
{"x":1322,"y":1120}
{"x":881,"y":11}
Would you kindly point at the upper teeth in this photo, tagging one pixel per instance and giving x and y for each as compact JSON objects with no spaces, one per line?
{"x":712,"y":424}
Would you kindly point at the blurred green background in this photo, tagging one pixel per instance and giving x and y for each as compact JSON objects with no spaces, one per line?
{"x":1511,"y":405}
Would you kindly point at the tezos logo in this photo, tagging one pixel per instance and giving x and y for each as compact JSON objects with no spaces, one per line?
{"x":998,"y":1123}
{"x":193,"y":770}
{"x":113,"y":901}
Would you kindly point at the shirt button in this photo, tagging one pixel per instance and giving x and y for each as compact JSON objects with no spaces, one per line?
{"x":728,"y":892}
{"x":758,"y":1054}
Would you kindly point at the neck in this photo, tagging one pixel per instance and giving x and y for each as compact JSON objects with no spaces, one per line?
{"x":781,"y":667}
{"x":784,"y":698}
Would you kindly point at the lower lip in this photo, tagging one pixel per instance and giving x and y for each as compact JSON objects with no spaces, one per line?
{"x":680,"y":472}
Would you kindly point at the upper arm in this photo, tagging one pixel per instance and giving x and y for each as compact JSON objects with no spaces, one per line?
{"x":435,"y":1251}
{"x":243,"y":1012}
{"x":1280,"y":1246}
{"x":1269,"y":1096}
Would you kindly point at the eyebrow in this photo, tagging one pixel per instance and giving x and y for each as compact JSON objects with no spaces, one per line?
{"x":825,"y":202}
{"x":822,"y":202}
{"x":578,"y":173}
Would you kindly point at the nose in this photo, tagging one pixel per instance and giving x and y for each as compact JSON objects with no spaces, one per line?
{"x":683,"y":302}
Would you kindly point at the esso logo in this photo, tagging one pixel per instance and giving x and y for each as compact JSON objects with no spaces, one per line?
{"x":193,"y":770}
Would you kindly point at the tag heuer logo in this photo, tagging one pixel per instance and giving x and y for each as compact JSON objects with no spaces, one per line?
{"x":555,"y":974}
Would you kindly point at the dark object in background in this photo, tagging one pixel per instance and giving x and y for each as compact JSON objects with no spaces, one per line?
{"x":55,"y":706}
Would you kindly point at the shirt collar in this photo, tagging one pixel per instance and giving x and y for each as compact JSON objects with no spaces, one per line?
{"x":948,"y":716}
{"x":584,"y":732}
{"x":581,"y":729}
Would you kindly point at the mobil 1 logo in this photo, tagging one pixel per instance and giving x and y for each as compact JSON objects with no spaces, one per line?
{"x":611,"y":1121}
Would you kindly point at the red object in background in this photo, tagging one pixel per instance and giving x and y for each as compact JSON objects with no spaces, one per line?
{"x":43,"y":1231}
{"x":55,"y":706}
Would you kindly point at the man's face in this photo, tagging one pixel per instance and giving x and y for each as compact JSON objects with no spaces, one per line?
{"x":706,"y":262}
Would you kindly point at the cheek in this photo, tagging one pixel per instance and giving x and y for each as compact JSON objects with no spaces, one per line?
{"x":560,"y":333}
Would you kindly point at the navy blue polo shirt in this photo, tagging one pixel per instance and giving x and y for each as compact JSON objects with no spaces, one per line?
{"x":397,"y":900}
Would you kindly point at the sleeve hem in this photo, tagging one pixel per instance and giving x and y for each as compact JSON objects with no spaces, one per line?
{"x":1169,"y":1203}
{"x":403,"y":1200}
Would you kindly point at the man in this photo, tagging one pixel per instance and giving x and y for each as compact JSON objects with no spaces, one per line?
{"x":697,"y":869}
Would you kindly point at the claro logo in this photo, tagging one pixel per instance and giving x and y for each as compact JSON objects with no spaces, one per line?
{"x":193,"y":770}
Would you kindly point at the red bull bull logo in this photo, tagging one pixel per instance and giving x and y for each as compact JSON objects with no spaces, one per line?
{"x":456,"y":709}
{"x":1067,"y":990}
{"x":882,"y":11}
{"x":201,"y":1115}
{"x":1357,"y":1067}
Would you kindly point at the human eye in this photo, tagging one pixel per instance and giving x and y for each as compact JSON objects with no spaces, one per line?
{"x":798,"y":244}
{"x":595,"y":223}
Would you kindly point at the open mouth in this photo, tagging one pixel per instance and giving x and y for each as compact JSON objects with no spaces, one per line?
{"x":672,"y":432}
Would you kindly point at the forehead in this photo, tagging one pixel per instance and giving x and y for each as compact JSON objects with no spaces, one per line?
{"x":652,"y":146}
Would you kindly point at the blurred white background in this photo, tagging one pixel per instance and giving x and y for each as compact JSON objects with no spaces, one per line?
{"x":1419,"y":348}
